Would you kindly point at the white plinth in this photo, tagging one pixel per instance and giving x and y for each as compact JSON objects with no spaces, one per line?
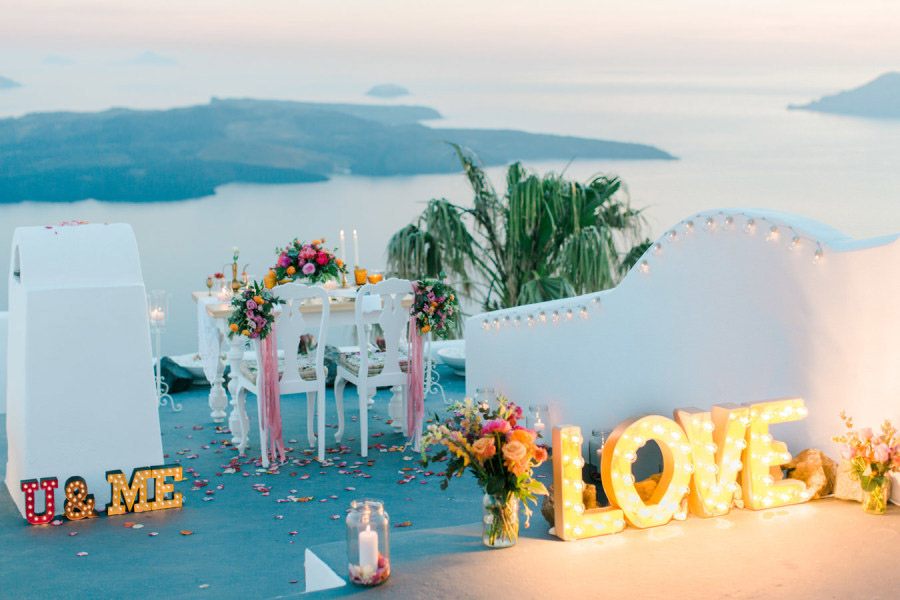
{"x":4,"y":322}
{"x":81,"y":397}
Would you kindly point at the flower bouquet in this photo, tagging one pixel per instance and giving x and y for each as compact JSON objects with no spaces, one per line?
{"x":252,"y":312}
{"x":299,"y":260}
{"x":871,"y":458}
{"x":500,"y":453}
{"x":434,"y":307}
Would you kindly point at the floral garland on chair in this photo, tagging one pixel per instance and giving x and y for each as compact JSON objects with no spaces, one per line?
{"x":253,"y":316}
{"x":435,"y":308}
{"x":252,"y":312}
{"x":311,"y":262}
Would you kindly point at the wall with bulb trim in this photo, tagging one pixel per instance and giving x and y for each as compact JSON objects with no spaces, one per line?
{"x":728,"y":306}
{"x":80,"y":391}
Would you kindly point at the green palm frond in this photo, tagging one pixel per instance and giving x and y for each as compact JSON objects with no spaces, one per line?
{"x":546,"y":238}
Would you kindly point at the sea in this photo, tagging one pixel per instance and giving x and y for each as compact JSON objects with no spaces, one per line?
{"x":736,"y":142}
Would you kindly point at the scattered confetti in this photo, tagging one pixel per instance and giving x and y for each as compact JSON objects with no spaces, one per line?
{"x":73,"y":533}
{"x":403,"y":524}
{"x":56,"y":522}
{"x":203,"y":586}
{"x":186,"y":532}
{"x":153,"y":533}
{"x":137,"y":526}
{"x":128,"y":524}
{"x":81,"y":554}
{"x":335,"y":517}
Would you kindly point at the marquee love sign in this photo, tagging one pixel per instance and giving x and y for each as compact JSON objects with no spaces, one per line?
{"x":125,"y":496}
{"x":709,"y":458}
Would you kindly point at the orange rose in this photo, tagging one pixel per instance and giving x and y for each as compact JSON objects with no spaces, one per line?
{"x":291,"y":270}
{"x":246,"y":333}
{"x":269,"y":280}
{"x":426,"y":328}
{"x":339,"y":262}
{"x":515,"y":455}
{"x":540,"y":455}
{"x":259,"y":300}
{"x":484,"y":448}
{"x":233,"y":327}
{"x":522,"y":435}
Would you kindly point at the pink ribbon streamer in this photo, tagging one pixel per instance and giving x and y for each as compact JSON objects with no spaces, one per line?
{"x":269,"y":397}
{"x":415,"y":378}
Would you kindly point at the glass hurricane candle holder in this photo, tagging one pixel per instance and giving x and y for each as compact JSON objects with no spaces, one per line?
{"x":368,"y":543}
{"x":486,"y":397}
{"x":375,"y":276}
{"x":158,"y":304}
{"x":536,"y":417}
{"x":359,"y":275}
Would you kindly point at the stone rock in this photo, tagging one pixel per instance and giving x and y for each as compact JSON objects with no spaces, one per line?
{"x":816,"y":470}
{"x":588,"y":498}
{"x":646,"y":487}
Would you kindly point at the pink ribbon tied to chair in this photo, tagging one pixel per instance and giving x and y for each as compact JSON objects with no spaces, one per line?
{"x":269,"y":397}
{"x":415,"y":382}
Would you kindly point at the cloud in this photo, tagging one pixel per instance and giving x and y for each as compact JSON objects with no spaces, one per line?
{"x":151,"y":59}
{"x":57,"y":60}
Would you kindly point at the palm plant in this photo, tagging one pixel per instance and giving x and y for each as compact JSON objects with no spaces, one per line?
{"x":546,"y":238}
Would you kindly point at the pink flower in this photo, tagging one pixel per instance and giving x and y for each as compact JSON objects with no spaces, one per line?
{"x":882,"y":453}
{"x":865,"y":433}
{"x":322,"y":258}
{"x":251,"y":305}
{"x":284,"y":260}
{"x":307,"y":253}
{"x":309,"y":269}
{"x":498,"y":425}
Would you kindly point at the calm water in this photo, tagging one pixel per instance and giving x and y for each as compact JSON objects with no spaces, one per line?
{"x":737,"y":145}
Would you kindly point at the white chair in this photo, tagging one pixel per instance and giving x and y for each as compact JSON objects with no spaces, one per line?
{"x":369,"y":370}
{"x":297,"y":373}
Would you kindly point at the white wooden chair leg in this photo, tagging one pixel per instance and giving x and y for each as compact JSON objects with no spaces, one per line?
{"x":339,"y":385}
{"x":310,"y":418}
{"x":320,"y":418}
{"x":363,"y":421}
{"x":241,"y":404}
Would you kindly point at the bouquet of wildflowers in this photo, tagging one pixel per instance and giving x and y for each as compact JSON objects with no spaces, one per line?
{"x":299,"y":260}
{"x":252,"y":312}
{"x":872,"y":456}
{"x":497,"y":450}
{"x":434,"y":307}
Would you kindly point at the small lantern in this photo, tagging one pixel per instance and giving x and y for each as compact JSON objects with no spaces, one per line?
{"x":368,"y":543}
{"x":158,"y":303}
{"x":536,"y":416}
{"x":486,"y":398}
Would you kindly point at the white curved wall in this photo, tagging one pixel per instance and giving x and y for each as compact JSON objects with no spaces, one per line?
{"x":722,"y":309}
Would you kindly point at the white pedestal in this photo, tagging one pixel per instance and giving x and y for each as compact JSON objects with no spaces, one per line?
{"x":4,"y":322}
{"x":81,"y":397}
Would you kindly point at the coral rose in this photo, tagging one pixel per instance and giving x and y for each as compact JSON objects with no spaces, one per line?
{"x":540,"y":454}
{"x":291,"y":270}
{"x":526,"y":436}
{"x":233,"y":327}
{"x":484,"y":448}
{"x":515,"y":455}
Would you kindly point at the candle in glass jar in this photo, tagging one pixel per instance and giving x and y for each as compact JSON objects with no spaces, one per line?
{"x":368,"y":549}
{"x":157,"y":315}
{"x":539,"y":425}
{"x":355,"y":249}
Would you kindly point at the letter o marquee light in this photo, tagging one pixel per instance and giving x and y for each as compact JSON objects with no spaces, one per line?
{"x":619,"y":454}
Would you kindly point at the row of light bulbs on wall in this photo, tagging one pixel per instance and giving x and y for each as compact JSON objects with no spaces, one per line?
{"x":710,"y":222}
{"x":751,"y":225}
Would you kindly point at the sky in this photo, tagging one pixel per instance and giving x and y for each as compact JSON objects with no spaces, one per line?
{"x":564,"y":41}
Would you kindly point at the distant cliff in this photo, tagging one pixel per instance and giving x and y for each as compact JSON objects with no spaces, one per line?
{"x":387,"y":90}
{"x":878,"y":99}
{"x":7,"y":83}
{"x":147,"y":155}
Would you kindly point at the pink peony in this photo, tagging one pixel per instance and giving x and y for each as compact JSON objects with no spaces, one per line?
{"x":882,"y":453}
{"x":498,"y":425}
{"x":251,"y":305}
{"x":284,"y":260}
{"x":322,"y":258}
{"x":309,"y":269}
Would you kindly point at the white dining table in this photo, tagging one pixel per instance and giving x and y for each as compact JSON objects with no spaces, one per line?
{"x":342,"y":313}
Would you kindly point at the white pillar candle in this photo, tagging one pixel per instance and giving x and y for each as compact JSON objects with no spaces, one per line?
{"x":355,"y":249}
{"x":539,"y":425}
{"x":368,"y":549}
{"x":343,"y":247}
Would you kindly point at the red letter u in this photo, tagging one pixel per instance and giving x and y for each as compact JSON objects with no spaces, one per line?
{"x":30,"y":486}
